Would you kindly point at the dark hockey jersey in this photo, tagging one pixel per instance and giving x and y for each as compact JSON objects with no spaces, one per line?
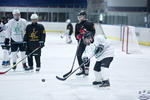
{"x":34,"y":33}
{"x":89,"y":26}
{"x":70,"y":28}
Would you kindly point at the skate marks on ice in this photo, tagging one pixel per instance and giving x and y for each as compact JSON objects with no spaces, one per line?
{"x":82,"y":88}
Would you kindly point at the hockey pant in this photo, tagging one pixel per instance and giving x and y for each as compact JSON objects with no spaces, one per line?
{"x":101,"y":69}
{"x":80,"y":51}
{"x":14,"y":50}
{"x":37,"y":60}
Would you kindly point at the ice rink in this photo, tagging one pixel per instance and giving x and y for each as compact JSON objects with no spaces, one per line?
{"x":129,"y":75}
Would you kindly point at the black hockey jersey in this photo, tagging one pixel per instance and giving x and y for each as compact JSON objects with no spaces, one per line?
{"x":34,"y":32}
{"x":70,"y":28}
{"x":34,"y":35}
{"x":89,"y":26}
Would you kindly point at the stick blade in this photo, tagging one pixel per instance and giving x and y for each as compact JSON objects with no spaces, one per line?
{"x":62,"y":79}
{"x":65,"y":75}
{"x":2,"y":72}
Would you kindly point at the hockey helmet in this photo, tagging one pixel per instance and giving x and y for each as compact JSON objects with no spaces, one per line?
{"x":16,"y":11}
{"x":16,"y":14}
{"x":82,"y":13}
{"x":68,"y":21}
{"x":34,"y":16}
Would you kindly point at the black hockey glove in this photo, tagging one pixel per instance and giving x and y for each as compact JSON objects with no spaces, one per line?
{"x":41,"y":43}
{"x":1,"y":29}
{"x":85,"y":60}
{"x":6,"y":41}
{"x":99,"y":49}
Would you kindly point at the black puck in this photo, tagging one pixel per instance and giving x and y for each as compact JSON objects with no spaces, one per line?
{"x":43,"y":80}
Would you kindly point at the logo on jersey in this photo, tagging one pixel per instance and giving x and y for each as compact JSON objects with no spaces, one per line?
{"x":33,"y":36}
{"x":44,"y":32}
{"x":18,"y":30}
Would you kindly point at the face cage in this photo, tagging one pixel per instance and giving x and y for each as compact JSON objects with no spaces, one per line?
{"x":82,"y":16}
{"x":14,"y":16}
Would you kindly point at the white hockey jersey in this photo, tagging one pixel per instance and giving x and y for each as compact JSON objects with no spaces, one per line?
{"x":3,"y":32}
{"x":108,"y":50}
{"x":16,"y":29}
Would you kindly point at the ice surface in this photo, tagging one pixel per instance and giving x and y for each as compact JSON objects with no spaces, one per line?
{"x":129,"y":74}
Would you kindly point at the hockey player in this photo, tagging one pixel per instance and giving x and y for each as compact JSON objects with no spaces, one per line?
{"x":101,"y":48}
{"x":5,"y":48}
{"x":15,"y":34}
{"x":80,"y":29}
{"x":69,"y":31}
{"x":34,"y":37}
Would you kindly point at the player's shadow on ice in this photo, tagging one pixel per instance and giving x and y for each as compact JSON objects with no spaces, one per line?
{"x":76,"y":82}
{"x":84,"y":83}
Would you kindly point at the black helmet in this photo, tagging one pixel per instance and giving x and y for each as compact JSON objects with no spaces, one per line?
{"x":82,"y":12}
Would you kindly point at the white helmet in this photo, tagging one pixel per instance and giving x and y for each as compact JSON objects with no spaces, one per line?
{"x":68,"y":20}
{"x":34,"y":16}
{"x":16,"y":11}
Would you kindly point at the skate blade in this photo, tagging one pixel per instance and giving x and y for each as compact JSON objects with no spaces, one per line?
{"x":105,"y":88}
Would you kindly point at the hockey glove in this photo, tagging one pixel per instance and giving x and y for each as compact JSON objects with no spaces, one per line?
{"x":85,"y":60}
{"x":1,"y":29}
{"x":99,"y":49}
{"x":6,"y":41}
{"x":41,"y":44}
{"x":79,"y":37}
{"x":82,"y":31}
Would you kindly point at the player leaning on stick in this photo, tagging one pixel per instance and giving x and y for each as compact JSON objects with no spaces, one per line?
{"x":101,"y":48}
{"x":15,"y":34}
{"x":81,"y":27}
{"x":34,"y":37}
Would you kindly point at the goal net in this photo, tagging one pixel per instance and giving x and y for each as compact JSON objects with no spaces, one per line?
{"x":129,"y":40}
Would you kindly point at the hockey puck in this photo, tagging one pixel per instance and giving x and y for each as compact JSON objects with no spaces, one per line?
{"x":43,"y":80}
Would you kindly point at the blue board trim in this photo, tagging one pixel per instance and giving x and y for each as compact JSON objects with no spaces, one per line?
{"x":44,"y":3}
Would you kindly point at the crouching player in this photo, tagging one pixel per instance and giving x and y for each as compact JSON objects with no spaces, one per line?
{"x":101,"y":48}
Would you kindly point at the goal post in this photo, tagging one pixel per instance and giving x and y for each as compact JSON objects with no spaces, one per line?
{"x":129,"y":40}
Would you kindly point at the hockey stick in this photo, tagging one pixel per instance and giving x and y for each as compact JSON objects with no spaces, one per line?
{"x":64,"y":78}
{"x":73,"y":61}
{"x":103,"y":33}
{"x":20,"y":61}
